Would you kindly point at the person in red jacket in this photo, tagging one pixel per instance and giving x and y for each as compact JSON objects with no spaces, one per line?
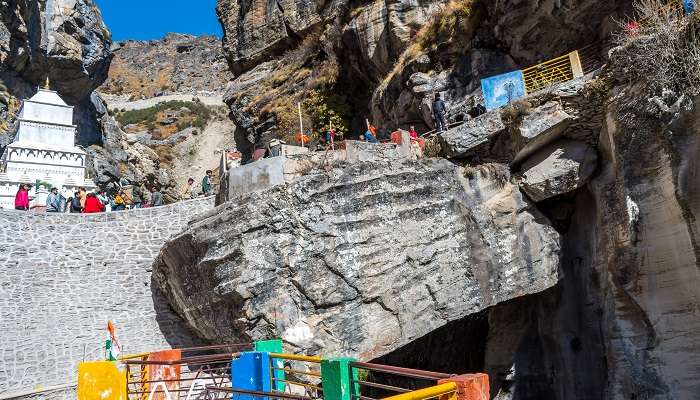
{"x":22,"y":198}
{"x":93,"y":204}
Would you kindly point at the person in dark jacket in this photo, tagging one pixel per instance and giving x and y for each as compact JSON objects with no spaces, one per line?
{"x":207,"y":186}
{"x":156,"y":197}
{"x":439,"y":111}
{"x":75,"y":206}
{"x":136,"y":196}
{"x":93,"y":204}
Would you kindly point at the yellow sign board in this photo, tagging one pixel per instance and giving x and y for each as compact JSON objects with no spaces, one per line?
{"x":101,"y":380}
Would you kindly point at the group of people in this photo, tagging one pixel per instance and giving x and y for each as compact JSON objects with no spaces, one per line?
{"x":82,"y":201}
{"x":189,"y":192}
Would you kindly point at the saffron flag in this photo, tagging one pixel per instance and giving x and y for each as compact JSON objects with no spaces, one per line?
{"x":112,"y":348}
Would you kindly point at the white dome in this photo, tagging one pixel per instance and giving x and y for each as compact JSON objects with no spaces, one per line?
{"x":48,"y":97}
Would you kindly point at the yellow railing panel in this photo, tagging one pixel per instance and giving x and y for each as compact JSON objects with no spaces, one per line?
{"x":448,"y":388}
{"x":296,"y":357}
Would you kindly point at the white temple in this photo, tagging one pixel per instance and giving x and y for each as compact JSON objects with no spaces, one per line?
{"x":43,"y":153}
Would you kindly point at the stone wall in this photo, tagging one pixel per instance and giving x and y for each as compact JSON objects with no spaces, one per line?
{"x":63,"y":276}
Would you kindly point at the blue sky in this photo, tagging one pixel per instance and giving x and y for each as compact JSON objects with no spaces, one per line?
{"x":152,"y":19}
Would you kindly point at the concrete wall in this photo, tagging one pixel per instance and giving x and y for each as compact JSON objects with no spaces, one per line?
{"x":62,"y":276}
{"x":275,"y":171}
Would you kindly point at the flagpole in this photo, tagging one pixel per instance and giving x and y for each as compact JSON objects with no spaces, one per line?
{"x":301,"y":124}
{"x":367,"y":122}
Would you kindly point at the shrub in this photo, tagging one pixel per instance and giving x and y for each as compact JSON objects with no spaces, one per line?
{"x":148,"y":116}
{"x":662,"y":50}
{"x":514,"y":112}
{"x":327,"y":108}
{"x":432,"y":148}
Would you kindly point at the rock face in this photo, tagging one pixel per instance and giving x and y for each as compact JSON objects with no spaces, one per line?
{"x":360,"y":261}
{"x":258,"y":29}
{"x":176,"y":64}
{"x":646,"y":235}
{"x":559,"y":168}
{"x":64,"y":40}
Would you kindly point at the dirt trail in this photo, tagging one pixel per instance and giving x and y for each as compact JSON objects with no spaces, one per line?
{"x":202,"y":152}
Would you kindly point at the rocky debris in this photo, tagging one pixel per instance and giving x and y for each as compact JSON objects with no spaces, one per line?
{"x":118,"y":162}
{"x":177,"y":64}
{"x":360,"y":260}
{"x":513,"y":133}
{"x":558,"y":168}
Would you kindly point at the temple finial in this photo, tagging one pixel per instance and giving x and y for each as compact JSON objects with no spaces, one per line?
{"x":47,"y":86}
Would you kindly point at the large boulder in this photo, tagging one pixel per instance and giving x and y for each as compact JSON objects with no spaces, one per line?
{"x":542,"y":126}
{"x":361,"y":260}
{"x":558,"y":168}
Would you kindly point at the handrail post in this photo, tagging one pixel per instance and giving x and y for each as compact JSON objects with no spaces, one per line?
{"x":251,"y":371}
{"x":273,"y":346}
{"x":338,"y":379}
{"x":575,"y":61}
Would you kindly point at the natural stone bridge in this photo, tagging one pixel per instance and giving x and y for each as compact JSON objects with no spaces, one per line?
{"x":62,"y":276}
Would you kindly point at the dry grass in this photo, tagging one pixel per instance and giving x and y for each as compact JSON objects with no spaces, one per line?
{"x":432,"y":148}
{"x":11,"y":104}
{"x":514,"y":112}
{"x":663,"y":49}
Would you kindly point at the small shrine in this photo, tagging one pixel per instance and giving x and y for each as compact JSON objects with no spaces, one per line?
{"x":43,"y":153}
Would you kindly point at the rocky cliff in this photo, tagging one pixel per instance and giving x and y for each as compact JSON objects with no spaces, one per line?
{"x":382,"y":61}
{"x":176,"y":64}
{"x":65,"y":41}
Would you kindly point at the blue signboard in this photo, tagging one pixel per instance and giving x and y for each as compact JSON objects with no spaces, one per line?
{"x":501,"y":89}
{"x":689,"y":6}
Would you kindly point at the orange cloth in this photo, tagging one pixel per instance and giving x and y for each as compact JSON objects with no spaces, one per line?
{"x":299,"y":138}
{"x":396,"y":137}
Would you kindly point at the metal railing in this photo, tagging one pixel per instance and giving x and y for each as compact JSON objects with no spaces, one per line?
{"x":548,"y":73}
{"x":364,"y":389}
{"x":185,"y":378}
{"x":231,"y":393}
{"x":296,"y":374}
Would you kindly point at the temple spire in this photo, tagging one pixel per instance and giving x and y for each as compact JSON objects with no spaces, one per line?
{"x":47,"y":86}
